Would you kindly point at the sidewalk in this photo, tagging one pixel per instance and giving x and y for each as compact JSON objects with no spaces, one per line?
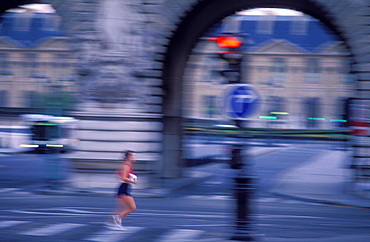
{"x":324,"y":180}
{"x":190,"y":176}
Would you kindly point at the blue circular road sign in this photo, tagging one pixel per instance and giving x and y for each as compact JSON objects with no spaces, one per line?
{"x":241,"y":101}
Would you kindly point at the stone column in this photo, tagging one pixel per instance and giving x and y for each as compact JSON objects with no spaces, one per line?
{"x":356,"y":31}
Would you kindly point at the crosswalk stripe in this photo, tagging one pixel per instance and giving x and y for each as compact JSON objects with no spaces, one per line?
{"x":267,"y":199}
{"x":180,"y":235}
{"x":9,"y":189}
{"x":214,"y":197}
{"x":51,"y":229}
{"x":113,"y":235}
{"x":6,"y":224}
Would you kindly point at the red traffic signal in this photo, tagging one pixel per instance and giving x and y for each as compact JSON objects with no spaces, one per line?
{"x":227,"y":41}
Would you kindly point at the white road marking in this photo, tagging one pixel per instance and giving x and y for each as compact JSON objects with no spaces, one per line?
{"x":114,"y":235}
{"x":7,"y":224}
{"x":267,"y":199}
{"x":205,"y":225}
{"x":283,"y":216}
{"x":204,"y":197}
{"x":23,"y":193}
{"x":60,"y":212}
{"x":181,"y":235}
{"x":182,"y":215}
{"x":51,"y":229}
{"x":80,"y":211}
{"x":213,"y":182}
{"x":8,"y":190}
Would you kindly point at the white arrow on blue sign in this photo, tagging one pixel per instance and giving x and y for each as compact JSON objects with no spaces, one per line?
{"x":240,"y":101}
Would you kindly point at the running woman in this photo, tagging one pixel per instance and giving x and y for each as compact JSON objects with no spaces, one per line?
{"x":127,"y":177}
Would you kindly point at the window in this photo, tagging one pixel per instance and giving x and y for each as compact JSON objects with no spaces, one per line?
{"x":311,"y":107}
{"x":30,"y":64}
{"x":345,"y":73}
{"x":277,"y":71}
{"x":3,"y":98}
{"x":342,"y":111}
{"x":3,"y":60}
{"x":209,"y":106}
{"x":275,"y":105}
{"x":61,"y":61}
{"x":4,"y":64}
{"x":313,"y":70}
{"x":61,"y":68}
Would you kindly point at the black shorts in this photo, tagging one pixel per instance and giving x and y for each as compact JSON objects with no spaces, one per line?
{"x":124,"y":190}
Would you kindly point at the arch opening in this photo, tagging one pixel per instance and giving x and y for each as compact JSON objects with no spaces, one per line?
{"x":185,"y":39}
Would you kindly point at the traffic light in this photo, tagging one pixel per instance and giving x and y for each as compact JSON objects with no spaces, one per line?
{"x":231,"y":54}
{"x":234,"y":70}
{"x":228,"y":41}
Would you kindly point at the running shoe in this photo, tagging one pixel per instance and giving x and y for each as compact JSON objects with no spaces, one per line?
{"x":118,"y":221}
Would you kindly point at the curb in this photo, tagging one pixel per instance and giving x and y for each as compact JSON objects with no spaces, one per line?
{"x":144,"y":193}
{"x":317,"y":200}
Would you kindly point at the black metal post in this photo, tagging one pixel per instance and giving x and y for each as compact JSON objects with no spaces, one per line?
{"x":244,"y":190}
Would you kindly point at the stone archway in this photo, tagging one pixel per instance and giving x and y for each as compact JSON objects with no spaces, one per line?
{"x":176,"y":26}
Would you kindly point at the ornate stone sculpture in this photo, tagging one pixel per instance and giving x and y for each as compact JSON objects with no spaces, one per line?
{"x":109,"y":45}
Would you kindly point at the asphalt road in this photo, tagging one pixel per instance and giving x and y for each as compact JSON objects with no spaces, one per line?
{"x":204,"y":212}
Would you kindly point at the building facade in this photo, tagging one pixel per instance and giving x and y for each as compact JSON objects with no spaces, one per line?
{"x":37,"y":63}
